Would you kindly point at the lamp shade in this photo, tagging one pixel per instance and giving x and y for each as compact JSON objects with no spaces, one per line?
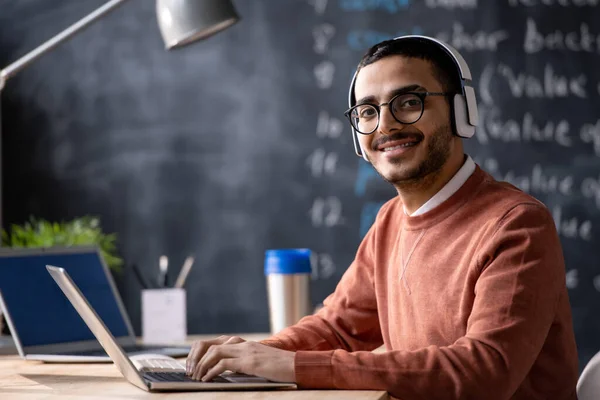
{"x":184,"y":21}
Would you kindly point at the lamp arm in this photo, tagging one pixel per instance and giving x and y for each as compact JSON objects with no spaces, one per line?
{"x":33,"y":55}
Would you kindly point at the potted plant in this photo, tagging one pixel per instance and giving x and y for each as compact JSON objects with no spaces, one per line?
{"x":78,"y":232}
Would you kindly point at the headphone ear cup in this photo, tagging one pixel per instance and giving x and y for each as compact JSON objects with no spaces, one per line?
{"x":462,"y":127}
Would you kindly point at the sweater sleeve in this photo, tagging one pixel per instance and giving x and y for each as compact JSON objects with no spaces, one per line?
{"x":521,"y":279}
{"x":348,"y":319}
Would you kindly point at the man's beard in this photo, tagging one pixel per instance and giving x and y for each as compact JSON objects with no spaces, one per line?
{"x":438,"y":152}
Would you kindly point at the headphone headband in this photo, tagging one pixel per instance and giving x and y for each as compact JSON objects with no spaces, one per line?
{"x":457,"y":58}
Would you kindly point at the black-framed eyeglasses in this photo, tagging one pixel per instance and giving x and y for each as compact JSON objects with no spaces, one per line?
{"x":407,"y":108}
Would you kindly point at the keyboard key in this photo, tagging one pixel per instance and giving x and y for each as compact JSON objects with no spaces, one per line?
{"x":177,"y":377}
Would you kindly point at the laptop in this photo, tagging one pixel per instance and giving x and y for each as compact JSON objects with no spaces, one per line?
{"x":161,"y":379}
{"x":43,"y":324}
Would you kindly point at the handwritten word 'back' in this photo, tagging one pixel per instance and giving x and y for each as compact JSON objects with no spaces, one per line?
{"x":582,"y":41}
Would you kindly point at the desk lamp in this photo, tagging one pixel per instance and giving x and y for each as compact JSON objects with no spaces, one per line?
{"x":180,"y":21}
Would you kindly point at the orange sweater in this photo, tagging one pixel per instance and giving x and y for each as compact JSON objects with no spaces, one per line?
{"x":469,"y":299}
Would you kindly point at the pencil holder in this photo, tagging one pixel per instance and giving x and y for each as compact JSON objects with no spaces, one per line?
{"x":164,"y":316}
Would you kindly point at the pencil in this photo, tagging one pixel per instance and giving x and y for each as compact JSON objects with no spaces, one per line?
{"x":185,"y":270}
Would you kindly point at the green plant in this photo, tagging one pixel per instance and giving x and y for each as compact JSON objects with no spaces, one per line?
{"x":80,"y":231}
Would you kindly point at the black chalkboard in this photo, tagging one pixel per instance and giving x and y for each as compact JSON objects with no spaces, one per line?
{"x":237,"y":144}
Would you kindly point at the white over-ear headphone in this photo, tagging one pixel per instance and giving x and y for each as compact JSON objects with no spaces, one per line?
{"x":463,"y":106}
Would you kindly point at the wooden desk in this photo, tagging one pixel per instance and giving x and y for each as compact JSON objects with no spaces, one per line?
{"x":20,"y":380}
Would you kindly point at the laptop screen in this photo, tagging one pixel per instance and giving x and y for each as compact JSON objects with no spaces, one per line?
{"x":40,"y":312}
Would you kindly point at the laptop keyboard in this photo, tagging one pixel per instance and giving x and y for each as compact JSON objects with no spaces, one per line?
{"x":160,"y":365}
{"x":177,"y":377}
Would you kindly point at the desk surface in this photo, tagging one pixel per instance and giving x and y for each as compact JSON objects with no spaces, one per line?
{"x":21,"y":380}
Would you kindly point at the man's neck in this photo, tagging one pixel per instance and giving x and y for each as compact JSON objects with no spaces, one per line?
{"x":415,"y":194}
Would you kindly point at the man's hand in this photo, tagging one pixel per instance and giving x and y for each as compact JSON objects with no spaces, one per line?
{"x":210,"y":358}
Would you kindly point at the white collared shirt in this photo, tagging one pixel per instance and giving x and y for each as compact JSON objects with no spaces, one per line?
{"x":449,"y":188}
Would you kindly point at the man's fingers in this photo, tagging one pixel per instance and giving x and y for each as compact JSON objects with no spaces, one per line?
{"x":199,"y":349}
{"x":209,"y":353}
{"x":219,"y":368}
{"x":234,"y":340}
{"x":214,"y":355}
{"x":248,"y":358}
{"x":210,"y":358}
{"x":191,"y":356}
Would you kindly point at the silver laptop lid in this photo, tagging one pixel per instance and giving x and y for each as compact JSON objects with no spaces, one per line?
{"x":100,"y":331}
{"x":33,"y":303}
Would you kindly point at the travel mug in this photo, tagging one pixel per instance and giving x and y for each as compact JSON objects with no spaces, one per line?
{"x":288,"y":277}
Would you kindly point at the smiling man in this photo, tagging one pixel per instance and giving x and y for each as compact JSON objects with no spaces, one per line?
{"x":461,"y":277}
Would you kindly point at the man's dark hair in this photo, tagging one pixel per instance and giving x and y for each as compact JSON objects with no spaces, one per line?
{"x":444,"y":68}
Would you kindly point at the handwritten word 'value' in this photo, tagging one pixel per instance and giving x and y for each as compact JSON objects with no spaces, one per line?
{"x":525,"y":129}
{"x":526,"y":85}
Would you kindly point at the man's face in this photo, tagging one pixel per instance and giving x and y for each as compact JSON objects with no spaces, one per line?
{"x":415,"y":150}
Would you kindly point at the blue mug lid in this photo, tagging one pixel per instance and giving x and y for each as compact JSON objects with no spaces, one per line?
{"x":287,"y":261}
